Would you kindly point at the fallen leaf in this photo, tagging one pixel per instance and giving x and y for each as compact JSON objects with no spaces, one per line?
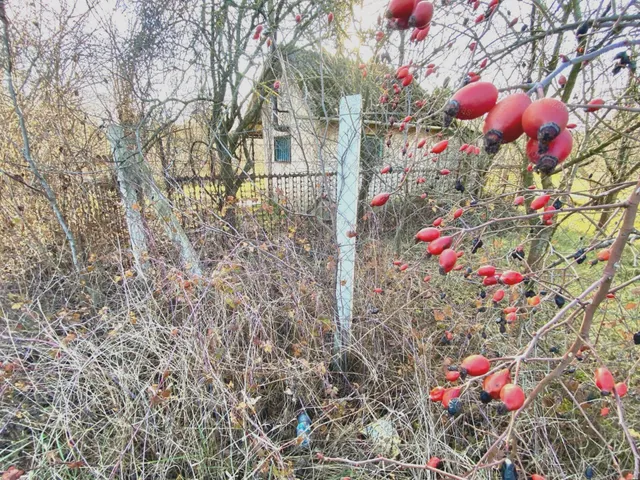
{"x":12,"y":473}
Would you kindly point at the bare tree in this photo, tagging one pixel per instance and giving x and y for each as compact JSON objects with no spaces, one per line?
{"x":26,"y":143}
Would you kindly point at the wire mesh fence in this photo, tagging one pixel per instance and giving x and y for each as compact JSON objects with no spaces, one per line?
{"x":265,"y":205}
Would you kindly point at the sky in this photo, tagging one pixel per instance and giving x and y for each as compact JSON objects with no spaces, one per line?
{"x":112,"y":17}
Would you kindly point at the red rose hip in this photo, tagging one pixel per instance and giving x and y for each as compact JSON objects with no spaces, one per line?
{"x":556,"y":152}
{"x":545,"y":119}
{"x":504,"y":122}
{"x":471,"y":101}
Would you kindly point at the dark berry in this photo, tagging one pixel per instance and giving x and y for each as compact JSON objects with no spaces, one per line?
{"x":455,"y":406}
{"x":518,"y":254}
{"x":476,"y":244}
{"x":485,"y":397}
{"x":579,"y":256}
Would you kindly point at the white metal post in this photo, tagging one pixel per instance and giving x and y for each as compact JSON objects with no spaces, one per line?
{"x":348,"y":182}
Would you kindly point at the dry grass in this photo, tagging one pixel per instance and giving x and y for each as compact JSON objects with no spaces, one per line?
{"x":164,"y":378}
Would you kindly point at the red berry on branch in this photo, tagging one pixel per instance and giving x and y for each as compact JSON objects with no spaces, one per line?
{"x":472,"y":101}
{"x":380,"y":199}
{"x":511,"y":277}
{"x":545,"y":119}
{"x":621,"y":389}
{"x":475,"y":365}
{"x":427,"y":234}
{"x":504,"y":122}
{"x":437,"y":246}
{"x":449,"y":394}
{"x":540,"y":202}
{"x":596,"y":103}
{"x":604,"y":380}
{"x":487,"y":271}
{"x":400,"y":8}
{"x":494,"y":383}
{"x":488,"y":281}
{"x":451,"y":376}
{"x":406,"y":81}
{"x":512,"y":397}
{"x":440,"y":146}
{"x":554,"y":153}
{"x":422,"y":14}
{"x":436,"y":394}
{"x":604,"y":255}
{"x":447,"y":261}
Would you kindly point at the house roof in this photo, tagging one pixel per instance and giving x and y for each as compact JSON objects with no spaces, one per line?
{"x":324,"y":78}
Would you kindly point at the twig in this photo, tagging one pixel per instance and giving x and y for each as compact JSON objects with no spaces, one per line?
{"x":541,"y":213}
{"x":627,"y":434}
{"x":583,"y":58}
{"x":373,"y":461}
{"x":26,"y":151}
{"x":601,"y":294}
{"x":609,"y":107}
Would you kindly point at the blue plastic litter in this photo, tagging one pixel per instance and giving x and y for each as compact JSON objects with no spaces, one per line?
{"x":303,"y":430}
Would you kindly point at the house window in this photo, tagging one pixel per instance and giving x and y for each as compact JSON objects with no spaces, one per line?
{"x":371,"y":151}
{"x":282,"y":147}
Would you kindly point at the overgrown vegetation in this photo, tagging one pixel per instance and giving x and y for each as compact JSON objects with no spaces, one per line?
{"x":168,"y":304}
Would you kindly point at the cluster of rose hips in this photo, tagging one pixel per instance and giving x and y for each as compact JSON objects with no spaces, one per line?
{"x":495,"y":386}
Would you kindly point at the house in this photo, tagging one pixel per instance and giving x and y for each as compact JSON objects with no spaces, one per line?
{"x":300,"y":123}
{"x":299,"y":130}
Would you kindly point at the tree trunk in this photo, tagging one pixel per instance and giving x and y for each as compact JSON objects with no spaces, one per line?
{"x":166,"y":175}
{"x":129,"y":185}
{"x":541,"y":241}
{"x":606,"y":214}
{"x":169,"y":221}
{"x":26,"y":147}
{"x":133,"y":175}
{"x":618,"y":173}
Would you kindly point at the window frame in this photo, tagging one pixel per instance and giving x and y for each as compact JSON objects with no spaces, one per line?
{"x":276,"y":149}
